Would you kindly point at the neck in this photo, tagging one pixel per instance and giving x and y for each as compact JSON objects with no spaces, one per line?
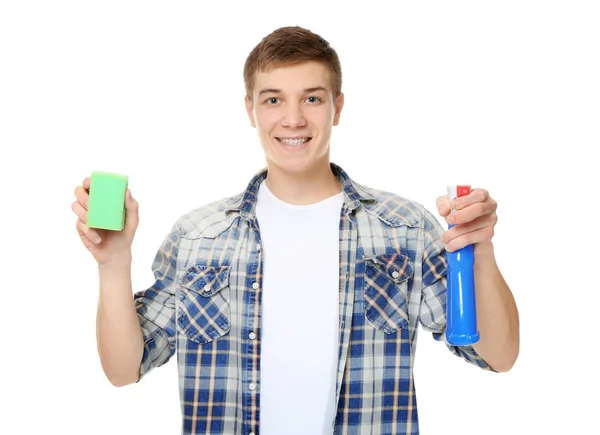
{"x":303,"y":188}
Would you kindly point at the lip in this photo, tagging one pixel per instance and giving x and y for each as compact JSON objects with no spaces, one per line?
{"x":293,"y":137}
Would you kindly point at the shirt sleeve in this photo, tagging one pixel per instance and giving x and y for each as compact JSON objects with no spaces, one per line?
{"x":155,"y":307}
{"x":432,"y":315}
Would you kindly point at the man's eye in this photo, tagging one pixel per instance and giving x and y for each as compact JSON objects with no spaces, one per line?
{"x":272,"y":100}
{"x":314,"y":99}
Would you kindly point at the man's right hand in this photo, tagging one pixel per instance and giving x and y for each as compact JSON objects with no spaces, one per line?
{"x":106,"y":246}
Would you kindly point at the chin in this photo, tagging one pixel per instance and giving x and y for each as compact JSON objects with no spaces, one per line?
{"x":288,"y":163}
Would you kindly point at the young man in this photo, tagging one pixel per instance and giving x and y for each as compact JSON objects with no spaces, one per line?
{"x":294,"y":305}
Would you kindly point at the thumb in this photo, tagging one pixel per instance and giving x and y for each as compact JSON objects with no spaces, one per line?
{"x":132,"y":207}
{"x":443,"y":205}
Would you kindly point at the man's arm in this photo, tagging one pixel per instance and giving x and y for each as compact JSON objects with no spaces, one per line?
{"x":136,"y":333}
{"x":497,"y":314}
{"x":119,"y":336}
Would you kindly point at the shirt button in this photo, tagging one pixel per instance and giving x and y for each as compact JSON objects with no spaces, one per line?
{"x":255,"y":286}
{"x":207,"y":287}
{"x":395,"y":274}
{"x":251,"y":433}
{"x":258,"y":246}
{"x":252,"y":387}
{"x":252,"y":336}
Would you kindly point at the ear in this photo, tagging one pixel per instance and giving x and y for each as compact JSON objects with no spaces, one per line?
{"x":339,"y":104}
{"x":249,"y":111}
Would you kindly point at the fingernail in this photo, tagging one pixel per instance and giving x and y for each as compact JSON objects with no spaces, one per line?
{"x":97,"y":239}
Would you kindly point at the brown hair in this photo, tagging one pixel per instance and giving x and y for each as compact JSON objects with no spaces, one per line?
{"x":288,"y":46}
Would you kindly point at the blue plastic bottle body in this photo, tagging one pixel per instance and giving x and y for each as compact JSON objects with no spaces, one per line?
{"x":461,"y":313}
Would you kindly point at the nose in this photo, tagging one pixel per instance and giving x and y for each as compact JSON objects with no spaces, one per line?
{"x":293,"y":116}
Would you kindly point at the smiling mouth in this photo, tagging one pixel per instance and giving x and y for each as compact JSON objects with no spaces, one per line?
{"x":294,"y":141}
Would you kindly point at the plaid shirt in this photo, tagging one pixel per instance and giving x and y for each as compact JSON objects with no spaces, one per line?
{"x":206,"y":305}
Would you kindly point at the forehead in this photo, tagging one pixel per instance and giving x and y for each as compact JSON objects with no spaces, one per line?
{"x":290,"y":78}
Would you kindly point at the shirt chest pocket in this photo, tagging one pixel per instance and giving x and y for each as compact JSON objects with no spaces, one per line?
{"x":204,"y":306}
{"x":386,"y":291}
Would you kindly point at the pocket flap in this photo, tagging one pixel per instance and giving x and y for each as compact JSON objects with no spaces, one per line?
{"x":397,"y":266}
{"x":206,"y":280}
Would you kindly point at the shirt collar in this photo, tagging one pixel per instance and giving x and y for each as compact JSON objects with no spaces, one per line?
{"x":354,"y":194}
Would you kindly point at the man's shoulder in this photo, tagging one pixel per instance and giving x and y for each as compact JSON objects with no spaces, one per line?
{"x":209,"y":219}
{"x":393,"y":207}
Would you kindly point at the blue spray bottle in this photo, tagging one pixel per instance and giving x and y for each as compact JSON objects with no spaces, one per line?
{"x":461,"y":315}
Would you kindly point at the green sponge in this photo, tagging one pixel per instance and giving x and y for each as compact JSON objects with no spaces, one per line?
{"x":106,"y":205}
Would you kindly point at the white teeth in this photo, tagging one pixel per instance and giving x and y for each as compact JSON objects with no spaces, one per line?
{"x":293,"y":142}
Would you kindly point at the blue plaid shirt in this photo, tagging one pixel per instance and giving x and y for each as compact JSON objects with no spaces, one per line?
{"x":205,"y":305}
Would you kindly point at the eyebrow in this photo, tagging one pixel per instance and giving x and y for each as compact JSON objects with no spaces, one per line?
{"x":278,"y":91}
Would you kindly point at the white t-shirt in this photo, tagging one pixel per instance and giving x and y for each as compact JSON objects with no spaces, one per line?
{"x":300,"y":292}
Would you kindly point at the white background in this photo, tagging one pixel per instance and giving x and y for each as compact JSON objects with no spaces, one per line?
{"x":501,"y":95}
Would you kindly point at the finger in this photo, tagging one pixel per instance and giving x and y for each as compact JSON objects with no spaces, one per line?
{"x":86,"y":183}
{"x":82,"y":196}
{"x":476,"y":195}
{"x":132,"y":211}
{"x":80,"y":211}
{"x":130,"y":203}
{"x":86,"y":242}
{"x":472,"y":212}
{"x":477,"y":224}
{"x":481,"y":235}
{"x":85,"y":231}
{"x":443,"y":205}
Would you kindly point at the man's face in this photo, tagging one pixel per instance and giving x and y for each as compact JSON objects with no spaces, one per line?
{"x":294,"y":111}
